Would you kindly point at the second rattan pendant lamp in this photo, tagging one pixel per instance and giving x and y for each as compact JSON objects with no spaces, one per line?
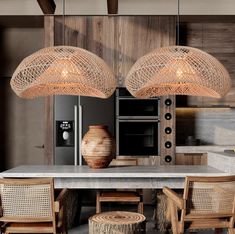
{"x":63,"y":70}
{"x":178,"y":70}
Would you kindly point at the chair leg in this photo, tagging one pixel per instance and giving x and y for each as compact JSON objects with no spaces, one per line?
{"x":174,"y":217}
{"x":98,"y":203}
{"x":231,"y":230}
{"x":168,"y":211}
{"x":141,"y":207}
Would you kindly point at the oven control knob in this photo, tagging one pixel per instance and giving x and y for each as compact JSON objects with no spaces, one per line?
{"x":168,"y":102}
{"x":168,"y":159}
{"x":168,"y":144}
{"x":168,"y":130}
{"x":168,"y":116}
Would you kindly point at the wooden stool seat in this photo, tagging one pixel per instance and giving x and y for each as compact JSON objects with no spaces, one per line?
{"x":125,"y":196}
{"x":121,"y":222}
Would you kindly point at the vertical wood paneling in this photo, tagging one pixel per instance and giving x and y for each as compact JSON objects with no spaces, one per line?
{"x":191,"y":159}
{"x":119,"y":40}
{"x":49,"y":101}
{"x":218,"y":40}
{"x":138,"y":35}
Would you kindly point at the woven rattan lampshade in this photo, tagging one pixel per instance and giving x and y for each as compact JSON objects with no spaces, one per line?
{"x":178,"y":70}
{"x":63,"y":70}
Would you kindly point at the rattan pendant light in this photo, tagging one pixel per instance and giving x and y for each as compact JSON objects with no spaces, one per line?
{"x":63,"y":70}
{"x":178,"y":70}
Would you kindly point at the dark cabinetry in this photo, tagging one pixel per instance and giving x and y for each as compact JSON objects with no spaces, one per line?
{"x":137,"y":125}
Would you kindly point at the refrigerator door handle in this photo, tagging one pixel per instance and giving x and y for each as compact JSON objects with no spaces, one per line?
{"x":80,"y":135}
{"x":75,"y":135}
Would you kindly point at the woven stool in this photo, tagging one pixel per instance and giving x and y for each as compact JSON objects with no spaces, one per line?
{"x":117,"y":222}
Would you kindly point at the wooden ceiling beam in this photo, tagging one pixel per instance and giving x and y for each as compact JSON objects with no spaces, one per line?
{"x":112,"y":6}
{"x":47,"y":6}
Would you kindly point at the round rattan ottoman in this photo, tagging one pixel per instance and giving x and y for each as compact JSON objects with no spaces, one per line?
{"x":117,"y":222}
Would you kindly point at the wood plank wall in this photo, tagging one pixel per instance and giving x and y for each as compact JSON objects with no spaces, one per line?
{"x":49,"y":101}
{"x":119,"y":40}
{"x":216,"y":38}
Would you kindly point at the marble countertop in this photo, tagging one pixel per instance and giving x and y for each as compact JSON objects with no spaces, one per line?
{"x":203,"y":148}
{"x":224,"y":161}
{"x":174,"y":171}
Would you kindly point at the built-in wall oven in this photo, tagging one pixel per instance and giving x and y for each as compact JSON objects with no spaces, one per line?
{"x":137,"y":125}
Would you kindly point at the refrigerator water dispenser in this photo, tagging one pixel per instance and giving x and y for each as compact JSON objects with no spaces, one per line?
{"x":64,"y":133}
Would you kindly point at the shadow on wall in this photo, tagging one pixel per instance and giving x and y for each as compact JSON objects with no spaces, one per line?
{"x":3,"y":93}
{"x":3,"y":129}
{"x":213,"y":126}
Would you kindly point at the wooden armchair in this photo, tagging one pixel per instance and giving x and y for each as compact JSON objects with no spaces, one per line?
{"x":28,"y":206}
{"x":207,"y":202}
{"x":126,"y":196}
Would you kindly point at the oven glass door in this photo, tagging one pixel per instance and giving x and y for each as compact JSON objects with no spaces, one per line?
{"x":138,"y":137}
{"x":138,"y":108}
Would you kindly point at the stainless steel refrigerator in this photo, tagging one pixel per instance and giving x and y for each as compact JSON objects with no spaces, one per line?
{"x":73,"y":115}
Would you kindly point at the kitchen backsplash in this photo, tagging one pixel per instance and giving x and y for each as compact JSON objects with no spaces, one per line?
{"x":214,"y":126}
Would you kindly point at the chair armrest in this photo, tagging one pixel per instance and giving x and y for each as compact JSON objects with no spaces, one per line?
{"x":174,"y":197}
{"x":60,"y":199}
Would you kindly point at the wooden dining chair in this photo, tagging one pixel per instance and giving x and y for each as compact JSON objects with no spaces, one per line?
{"x":28,"y":206}
{"x":126,"y":196}
{"x":207,"y":202}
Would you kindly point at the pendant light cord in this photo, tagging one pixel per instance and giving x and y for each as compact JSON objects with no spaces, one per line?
{"x":178,"y":23}
{"x":63,"y":38}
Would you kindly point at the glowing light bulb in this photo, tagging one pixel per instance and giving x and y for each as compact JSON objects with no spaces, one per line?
{"x":179,"y":73}
{"x":64,"y":73}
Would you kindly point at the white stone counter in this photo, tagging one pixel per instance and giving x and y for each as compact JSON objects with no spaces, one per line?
{"x":203,"y":148}
{"x":172,"y":171}
{"x":114,"y":177}
{"x":222,"y":161}
{"x":219,"y":164}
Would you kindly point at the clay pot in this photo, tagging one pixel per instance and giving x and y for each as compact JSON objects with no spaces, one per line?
{"x":98,"y":147}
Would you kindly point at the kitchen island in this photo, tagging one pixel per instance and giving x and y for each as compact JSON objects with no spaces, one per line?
{"x":149,"y":177}
{"x":146,"y":177}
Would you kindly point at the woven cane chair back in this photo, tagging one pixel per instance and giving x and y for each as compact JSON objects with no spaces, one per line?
{"x":24,"y":199}
{"x":210,"y":197}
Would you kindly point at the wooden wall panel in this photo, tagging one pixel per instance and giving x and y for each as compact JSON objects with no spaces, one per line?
{"x":49,"y":101}
{"x":119,"y":40}
{"x":191,"y":159}
{"x":218,"y":40}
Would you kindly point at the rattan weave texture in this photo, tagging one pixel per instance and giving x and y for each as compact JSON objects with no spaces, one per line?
{"x":178,"y":70}
{"x":26,"y":201}
{"x":63,"y":70}
{"x":206,"y":198}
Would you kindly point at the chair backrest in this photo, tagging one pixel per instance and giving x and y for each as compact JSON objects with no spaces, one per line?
{"x":124,"y":162}
{"x":27,"y":199}
{"x":210,"y":195}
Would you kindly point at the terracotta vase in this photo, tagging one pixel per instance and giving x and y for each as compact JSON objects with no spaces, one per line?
{"x":98,"y":147}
